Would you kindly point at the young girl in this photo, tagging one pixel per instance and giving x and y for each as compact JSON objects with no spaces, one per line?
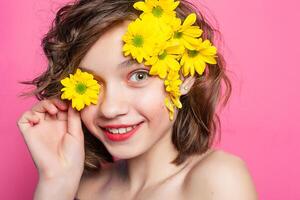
{"x":127,"y":106}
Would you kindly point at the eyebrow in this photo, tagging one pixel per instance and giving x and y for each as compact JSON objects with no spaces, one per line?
{"x":125,"y":64}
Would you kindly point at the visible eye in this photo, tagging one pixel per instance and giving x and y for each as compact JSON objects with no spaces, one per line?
{"x":139,"y":76}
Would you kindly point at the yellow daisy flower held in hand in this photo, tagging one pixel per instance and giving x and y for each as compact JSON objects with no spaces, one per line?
{"x":195,"y":60}
{"x":81,"y":88}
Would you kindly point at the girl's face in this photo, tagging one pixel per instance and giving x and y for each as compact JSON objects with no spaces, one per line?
{"x":128,"y":97}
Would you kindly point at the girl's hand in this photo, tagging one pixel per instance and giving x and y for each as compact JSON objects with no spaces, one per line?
{"x":53,"y":134}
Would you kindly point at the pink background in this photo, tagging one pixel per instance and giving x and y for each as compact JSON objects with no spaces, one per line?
{"x":261,"y":123}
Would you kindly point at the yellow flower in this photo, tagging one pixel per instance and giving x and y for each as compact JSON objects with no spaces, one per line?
{"x":165,"y":60}
{"x":172,"y":84}
{"x":159,"y":10}
{"x":140,"y":39}
{"x":169,"y":102}
{"x":186,"y":34}
{"x":168,"y":46}
{"x":170,"y":107}
{"x":196,"y":59}
{"x":81,"y":88}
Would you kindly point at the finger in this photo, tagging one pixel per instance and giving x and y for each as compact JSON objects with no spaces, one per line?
{"x":44,"y":107}
{"x":74,"y":123}
{"x":50,"y":116}
{"x":60,"y":104}
{"x":28,"y":119}
{"x":62,"y":116}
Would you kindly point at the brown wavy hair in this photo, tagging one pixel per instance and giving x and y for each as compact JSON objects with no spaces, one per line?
{"x":77,"y":26}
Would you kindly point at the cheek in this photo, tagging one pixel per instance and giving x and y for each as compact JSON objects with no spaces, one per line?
{"x":87,"y":117}
{"x":150,"y":103}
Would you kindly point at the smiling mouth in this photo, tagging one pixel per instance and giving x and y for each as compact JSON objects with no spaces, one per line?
{"x":121,"y":134}
{"x":120,"y":129}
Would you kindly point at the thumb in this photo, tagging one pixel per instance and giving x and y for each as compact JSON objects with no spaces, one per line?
{"x":74,"y":123}
{"x":27,"y":120}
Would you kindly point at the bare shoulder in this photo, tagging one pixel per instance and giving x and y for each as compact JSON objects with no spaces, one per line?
{"x":91,"y":183}
{"x":219,"y":175}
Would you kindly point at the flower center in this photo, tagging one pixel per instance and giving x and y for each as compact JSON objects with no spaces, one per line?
{"x":157,"y":11}
{"x":193,"y":53}
{"x":80,"y":88}
{"x":138,"y":41}
{"x":162,"y":56}
{"x":177,"y":34}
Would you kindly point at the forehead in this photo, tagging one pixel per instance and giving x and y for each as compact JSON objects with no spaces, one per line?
{"x":107,"y":53}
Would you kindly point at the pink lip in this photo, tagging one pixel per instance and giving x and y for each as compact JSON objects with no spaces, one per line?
{"x":118,"y":125}
{"x":120,"y":137}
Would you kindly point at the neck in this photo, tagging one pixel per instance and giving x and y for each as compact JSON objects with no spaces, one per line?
{"x":152,"y":167}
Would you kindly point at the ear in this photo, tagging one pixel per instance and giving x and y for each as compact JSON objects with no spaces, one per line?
{"x":187,"y":84}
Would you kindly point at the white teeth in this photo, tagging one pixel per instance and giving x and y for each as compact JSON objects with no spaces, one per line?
{"x":120,"y":130}
{"x":114,"y":131}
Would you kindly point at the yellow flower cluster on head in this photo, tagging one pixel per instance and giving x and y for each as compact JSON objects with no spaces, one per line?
{"x":157,"y":11}
{"x":139,"y":42}
{"x":172,"y":84}
{"x":195,"y":60}
{"x":81,"y":88}
{"x":168,"y":46}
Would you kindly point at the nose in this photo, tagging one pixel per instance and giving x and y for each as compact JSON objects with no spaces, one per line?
{"x":113,"y":102}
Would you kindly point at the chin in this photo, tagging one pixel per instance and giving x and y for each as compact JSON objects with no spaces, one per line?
{"x":124,"y":155}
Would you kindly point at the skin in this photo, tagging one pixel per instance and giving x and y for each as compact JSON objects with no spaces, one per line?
{"x":143,"y":169}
